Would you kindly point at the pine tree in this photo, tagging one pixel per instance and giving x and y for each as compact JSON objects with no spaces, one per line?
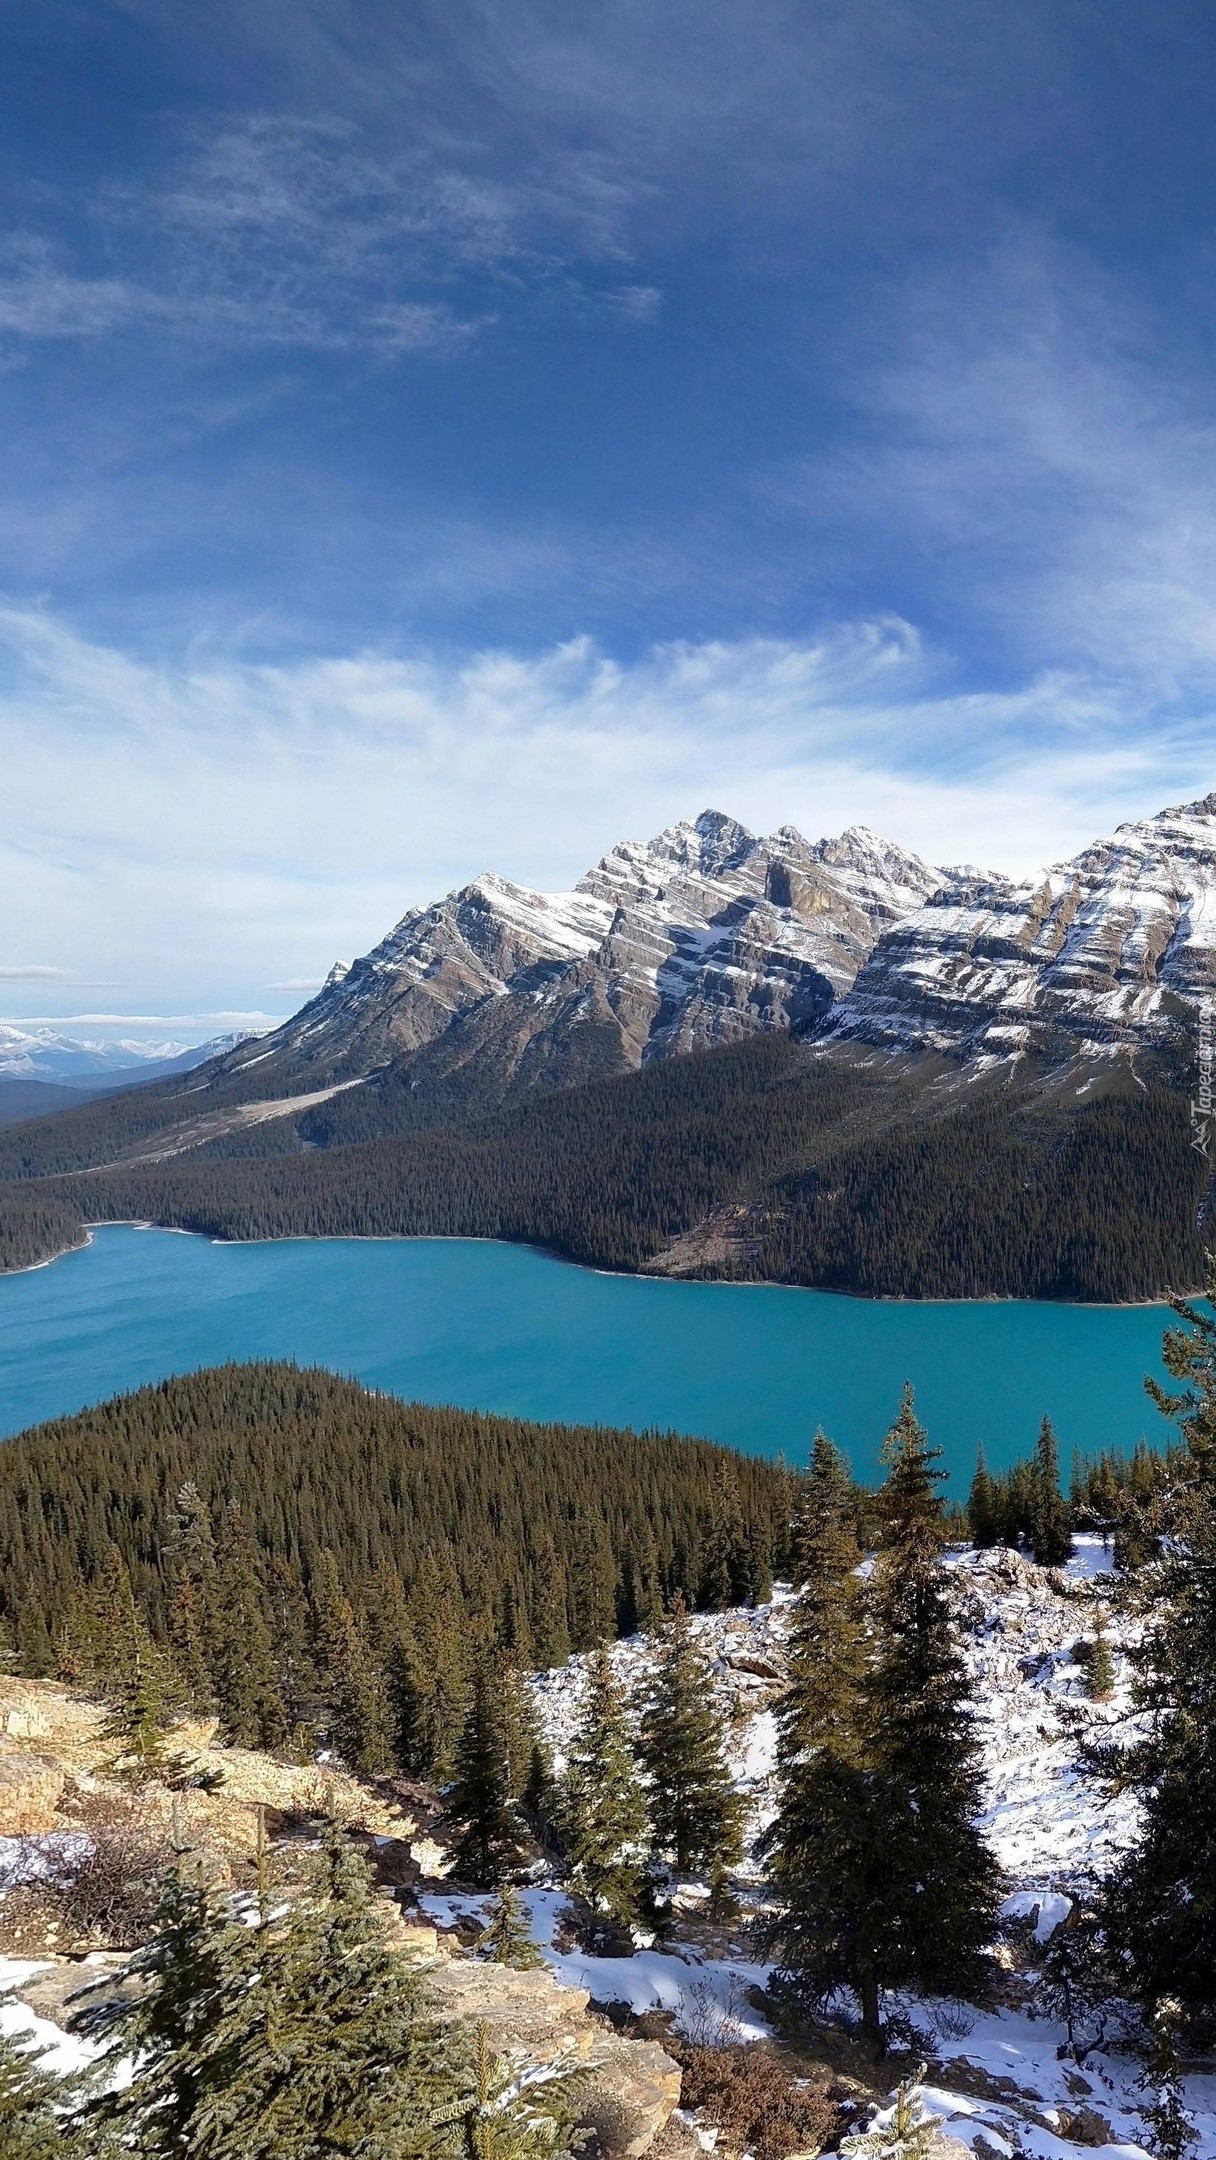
{"x":246,"y":1682}
{"x":983,"y":1514}
{"x":479,"y":1802}
{"x":356,"y":1697}
{"x":1100,"y":1675}
{"x":142,"y":1697}
{"x":825,"y":1866}
{"x":507,"y":1937}
{"x":603,"y":1812}
{"x":1171,"y":2132}
{"x":1161,"y":1904}
{"x":1050,"y":1535}
{"x":429,"y":1670}
{"x":695,"y":1813}
{"x":940,"y":1904}
{"x":31,"y":2128}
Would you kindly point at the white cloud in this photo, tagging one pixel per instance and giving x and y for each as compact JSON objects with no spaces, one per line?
{"x":36,"y":974}
{"x":200,"y":832}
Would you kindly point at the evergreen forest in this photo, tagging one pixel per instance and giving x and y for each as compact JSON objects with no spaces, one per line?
{"x":814,"y":1169}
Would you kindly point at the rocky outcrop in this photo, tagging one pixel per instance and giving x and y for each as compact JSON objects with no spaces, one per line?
{"x":31,"y":1787}
{"x":632,"y":2085}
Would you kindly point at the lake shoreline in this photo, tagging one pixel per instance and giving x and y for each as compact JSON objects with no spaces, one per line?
{"x":487,"y":1325}
{"x":587,"y":1267}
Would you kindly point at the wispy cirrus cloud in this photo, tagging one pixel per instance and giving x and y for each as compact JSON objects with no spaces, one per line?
{"x":272,"y":230}
{"x":1023,"y":437}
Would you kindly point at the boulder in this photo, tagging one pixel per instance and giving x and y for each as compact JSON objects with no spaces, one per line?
{"x":632,"y":2086}
{"x":30,"y":1790}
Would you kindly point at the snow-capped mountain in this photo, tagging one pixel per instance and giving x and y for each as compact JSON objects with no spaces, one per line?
{"x":41,"y":1053}
{"x":1115,"y":947}
{"x":700,"y":936}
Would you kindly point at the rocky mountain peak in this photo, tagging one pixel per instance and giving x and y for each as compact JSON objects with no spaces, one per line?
{"x":703,"y":934}
{"x":1109,"y":950}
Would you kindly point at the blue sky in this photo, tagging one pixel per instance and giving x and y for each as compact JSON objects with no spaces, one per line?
{"x":453,"y":435}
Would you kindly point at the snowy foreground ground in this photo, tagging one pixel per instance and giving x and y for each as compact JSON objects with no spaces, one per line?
{"x":1000,"y":2083}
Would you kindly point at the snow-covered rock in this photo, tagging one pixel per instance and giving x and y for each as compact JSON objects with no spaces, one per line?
{"x":704,"y":934}
{"x":1114,"y":947}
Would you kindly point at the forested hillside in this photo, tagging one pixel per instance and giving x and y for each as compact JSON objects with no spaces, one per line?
{"x":550,"y":1533}
{"x":766,"y":1160}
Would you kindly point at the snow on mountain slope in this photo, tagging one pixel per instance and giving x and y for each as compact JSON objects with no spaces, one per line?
{"x":1113,"y":947}
{"x":1001,"y":2079}
{"x":701,"y":935}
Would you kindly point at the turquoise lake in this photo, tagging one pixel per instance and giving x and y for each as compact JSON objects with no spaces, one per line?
{"x":498,"y":1327}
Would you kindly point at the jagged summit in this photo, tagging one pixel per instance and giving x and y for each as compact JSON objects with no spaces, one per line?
{"x":703,"y":934}
{"x":1112,"y":948}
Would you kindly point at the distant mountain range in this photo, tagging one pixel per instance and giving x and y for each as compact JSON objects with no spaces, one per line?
{"x":41,"y":1053}
{"x":42,"y":1071}
{"x":820,"y":1061}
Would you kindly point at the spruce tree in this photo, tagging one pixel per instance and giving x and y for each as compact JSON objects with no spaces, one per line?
{"x":142,"y":1699}
{"x":194,"y":1603}
{"x":429,"y":1670}
{"x":302,"y":2037}
{"x":1100,"y":1676}
{"x":940,"y":1904}
{"x":824,"y":1862}
{"x":246,"y":1681}
{"x":983,"y":1519}
{"x":520,"y":1730}
{"x":352,"y":1681}
{"x":603,"y":1813}
{"x":1161,"y":1902}
{"x":550,"y":1614}
{"x":509,"y":2112}
{"x":200,"y":1960}
{"x":479,"y":1803}
{"x":31,"y":2126}
{"x":726,"y":1576}
{"x":695,"y":1813}
{"x":1171,"y":2132}
{"x":507,"y":1938}
{"x":592,"y":1586}
{"x":1050,"y":1534}
{"x":343,"y":2058}
{"x":823,"y":1648}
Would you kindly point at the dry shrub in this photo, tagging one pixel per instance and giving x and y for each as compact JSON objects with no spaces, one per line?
{"x":753,"y":2096}
{"x":98,"y":1883}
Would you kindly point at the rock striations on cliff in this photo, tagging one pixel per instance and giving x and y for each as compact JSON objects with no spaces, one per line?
{"x":700,"y":936}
